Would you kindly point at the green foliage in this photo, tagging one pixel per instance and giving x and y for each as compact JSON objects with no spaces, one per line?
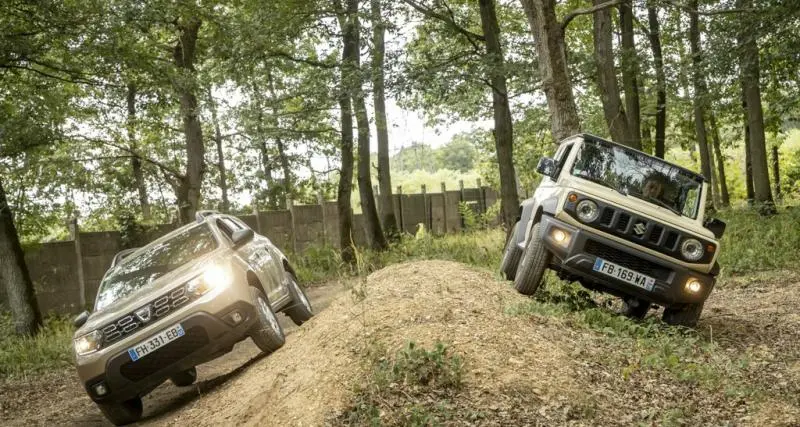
{"x":49,"y":350}
{"x":478,"y":220}
{"x":754,"y":243}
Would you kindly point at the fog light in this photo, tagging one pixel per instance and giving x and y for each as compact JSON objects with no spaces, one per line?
{"x":236,"y":317}
{"x":694,"y":286}
{"x":100,"y":389}
{"x":561,"y":237}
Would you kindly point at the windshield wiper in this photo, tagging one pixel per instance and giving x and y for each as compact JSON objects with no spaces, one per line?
{"x":603,"y":183}
{"x":657,"y":201}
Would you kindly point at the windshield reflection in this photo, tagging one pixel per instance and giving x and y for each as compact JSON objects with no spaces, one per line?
{"x":637,"y":174}
{"x":154,"y":262}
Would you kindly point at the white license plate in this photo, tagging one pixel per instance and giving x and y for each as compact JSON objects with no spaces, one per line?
{"x":155,"y":342}
{"x":625,"y":274}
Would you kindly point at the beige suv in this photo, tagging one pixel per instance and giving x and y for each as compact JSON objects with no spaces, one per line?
{"x":619,"y":221}
{"x":180,"y":301}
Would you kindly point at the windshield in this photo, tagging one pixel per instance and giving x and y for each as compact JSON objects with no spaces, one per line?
{"x":154,"y":262}
{"x":633,"y":173}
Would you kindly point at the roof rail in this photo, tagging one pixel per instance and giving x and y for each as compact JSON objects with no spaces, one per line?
{"x":200,"y":216}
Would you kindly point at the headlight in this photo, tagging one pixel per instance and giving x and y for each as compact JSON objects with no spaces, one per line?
{"x":215,"y":276}
{"x":89,"y":343}
{"x":587,"y":211}
{"x":692,"y":249}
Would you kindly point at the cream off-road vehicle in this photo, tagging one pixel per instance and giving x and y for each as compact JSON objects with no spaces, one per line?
{"x":180,"y":301}
{"x":619,"y":221}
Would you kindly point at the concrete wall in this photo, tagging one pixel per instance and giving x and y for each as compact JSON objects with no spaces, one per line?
{"x":54,"y":266}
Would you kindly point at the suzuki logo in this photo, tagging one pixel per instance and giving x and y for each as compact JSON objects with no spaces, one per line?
{"x":143,"y":314}
{"x":639,"y":228}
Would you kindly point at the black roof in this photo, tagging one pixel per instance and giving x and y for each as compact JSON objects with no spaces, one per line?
{"x":625,"y":147}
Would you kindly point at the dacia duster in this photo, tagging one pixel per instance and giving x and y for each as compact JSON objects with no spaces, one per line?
{"x":619,"y":221}
{"x":180,"y":301}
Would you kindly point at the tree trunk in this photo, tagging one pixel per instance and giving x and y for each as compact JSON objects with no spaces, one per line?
{"x":748,"y":161}
{"x":186,"y":85}
{"x":749,"y":66}
{"x":723,"y":183}
{"x":607,"y":85}
{"x":386,"y":203}
{"x":553,"y":70}
{"x":503,"y":127}
{"x":223,"y":174}
{"x":776,"y":172}
{"x":714,"y":181}
{"x":661,"y":85}
{"x":14,"y":274}
{"x":349,"y":51}
{"x":136,"y":162}
{"x":288,"y":180}
{"x":369,"y":210}
{"x":699,"y":92}
{"x":630,"y":74}
{"x":263,"y":148}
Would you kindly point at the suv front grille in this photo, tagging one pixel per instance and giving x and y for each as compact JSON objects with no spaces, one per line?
{"x":195,"y":338}
{"x":145,"y":314}
{"x":627,"y":260}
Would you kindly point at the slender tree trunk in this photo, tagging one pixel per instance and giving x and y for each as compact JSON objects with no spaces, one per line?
{"x":186,"y":86}
{"x":714,"y":181}
{"x":283,"y":157}
{"x":349,"y":51}
{"x":630,"y":74}
{"x":14,"y":274}
{"x":503,"y":127}
{"x":553,"y":70}
{"x":723,"y":183}
{"x":661,"y":85}
{"x":750,"y":69}
{"x":748,"y":161}
{"x":386,"y":203}
{"x":223,"y":174}
{"x":613,"y":110}
{"x":700,"y":92}
{"x":369,"y":210}
{"x":136,"y":162}
{"x":776,"y":172}
{"x":263,"y":148}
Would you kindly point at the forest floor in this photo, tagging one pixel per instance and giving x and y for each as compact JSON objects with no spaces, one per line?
{"x":503,"y":360}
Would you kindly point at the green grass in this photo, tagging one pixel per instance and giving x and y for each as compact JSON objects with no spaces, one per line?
{"x":754,"y":243}
{"x":48,"y":350}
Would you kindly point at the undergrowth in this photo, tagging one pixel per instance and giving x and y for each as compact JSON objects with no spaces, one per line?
{"x":755,"y":243}
{"x":48,"y":350}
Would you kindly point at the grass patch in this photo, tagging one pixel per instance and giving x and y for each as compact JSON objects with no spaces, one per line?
{"x":414,"y":387}
{"x":49,"y":350}
{"x":754,"y":243}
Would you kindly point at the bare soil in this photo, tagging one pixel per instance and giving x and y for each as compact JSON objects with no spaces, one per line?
{"x":519,"y":369}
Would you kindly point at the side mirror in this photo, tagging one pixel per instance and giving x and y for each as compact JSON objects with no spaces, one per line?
{"x":241,"y":237}
{"x":716,"y":226}
{"x":546,"y":166}
{"x":81,"y":319}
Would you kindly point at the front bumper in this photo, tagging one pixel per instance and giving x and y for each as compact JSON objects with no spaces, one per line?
{"x":578,"y":254}
{"x":207,"y":336}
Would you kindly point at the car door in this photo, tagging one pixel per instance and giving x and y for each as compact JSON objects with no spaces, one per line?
{"x":257,"y":254}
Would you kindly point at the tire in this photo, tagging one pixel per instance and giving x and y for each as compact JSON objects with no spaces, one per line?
{"x":535,"y":260}
{"x":635,"y":309}
{"x":686,"y":316}
{"x":300,"y":309}
{"x":122,"y":413}
{"x":185,"y":378}
{"x":267,"y":333}
{"x":511,"y":256}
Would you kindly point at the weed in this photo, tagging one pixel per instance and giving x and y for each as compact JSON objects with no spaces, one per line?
{"x":50,"y":349}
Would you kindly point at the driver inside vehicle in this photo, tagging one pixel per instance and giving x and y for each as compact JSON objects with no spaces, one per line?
{"x":653,"y":187}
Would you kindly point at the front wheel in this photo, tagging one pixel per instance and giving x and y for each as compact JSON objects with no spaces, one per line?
{"x":267,"y":333}
{"x":300,"y":309}
{"x":685,"y":316}
{"x":122,"y":413}
{"x":511,"y":256}
{"x":185,"y":378}
{"x":534,"y":262}
{"x":635,"y":308}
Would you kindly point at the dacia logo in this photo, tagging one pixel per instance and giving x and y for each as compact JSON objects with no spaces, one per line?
{"x":639,"y":228}
{"x":143,"y":314}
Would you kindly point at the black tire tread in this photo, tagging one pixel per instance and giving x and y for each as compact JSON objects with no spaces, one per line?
{"x":122,"y":413}
{"x":511,"y":256}
{"x":686,"y":316}
{"x":262,"y":335}
{"x":535,"y":261}
{"x":296,"y":310}
{"x":185,"y":378}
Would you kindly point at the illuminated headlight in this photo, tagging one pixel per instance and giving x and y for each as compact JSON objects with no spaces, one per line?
{"x":694,"y":286}
{"x":587,"y":211}
{"x":215,"y":276}
{"x":89,"y":343}
{"x":692,"y":249}
{"x":560,"y":236}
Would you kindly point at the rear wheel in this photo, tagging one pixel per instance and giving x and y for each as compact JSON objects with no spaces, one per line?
{"x":635,"y":309}
{"x":122,"y":413}
{"x":267,"y":333}
{"x":685,"y":316}
{"x":534,"y":262}
{"x":300,"y":308}
{"x":185,"y":378}
{"x":511,"y":256}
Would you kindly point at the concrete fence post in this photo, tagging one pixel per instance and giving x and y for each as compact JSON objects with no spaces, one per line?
{"x":400,"y":209}
{"x":426,"y":216}
{"x":293,"y":229}
{"x":444,"y":208}
{"x":460,"y":201}
{"x":481,"y":197}
{"x":75,"y":232}
{"x":259,"y":228}
{"x":321,"y":202}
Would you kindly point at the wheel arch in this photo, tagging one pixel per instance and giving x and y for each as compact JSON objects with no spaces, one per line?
{"x":253,"y":280}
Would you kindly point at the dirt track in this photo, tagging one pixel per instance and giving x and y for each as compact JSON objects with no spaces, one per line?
{"x":521,"y":370}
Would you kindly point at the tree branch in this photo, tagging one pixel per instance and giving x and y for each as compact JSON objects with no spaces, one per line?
{"x":308,"y":61}
{"x":576,"y":13}
{"x":449,"y":20}
{"x":708,"y":12}
{"x":163,"y":167}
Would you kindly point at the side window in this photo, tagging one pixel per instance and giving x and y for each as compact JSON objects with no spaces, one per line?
{"x":562,"y":154}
